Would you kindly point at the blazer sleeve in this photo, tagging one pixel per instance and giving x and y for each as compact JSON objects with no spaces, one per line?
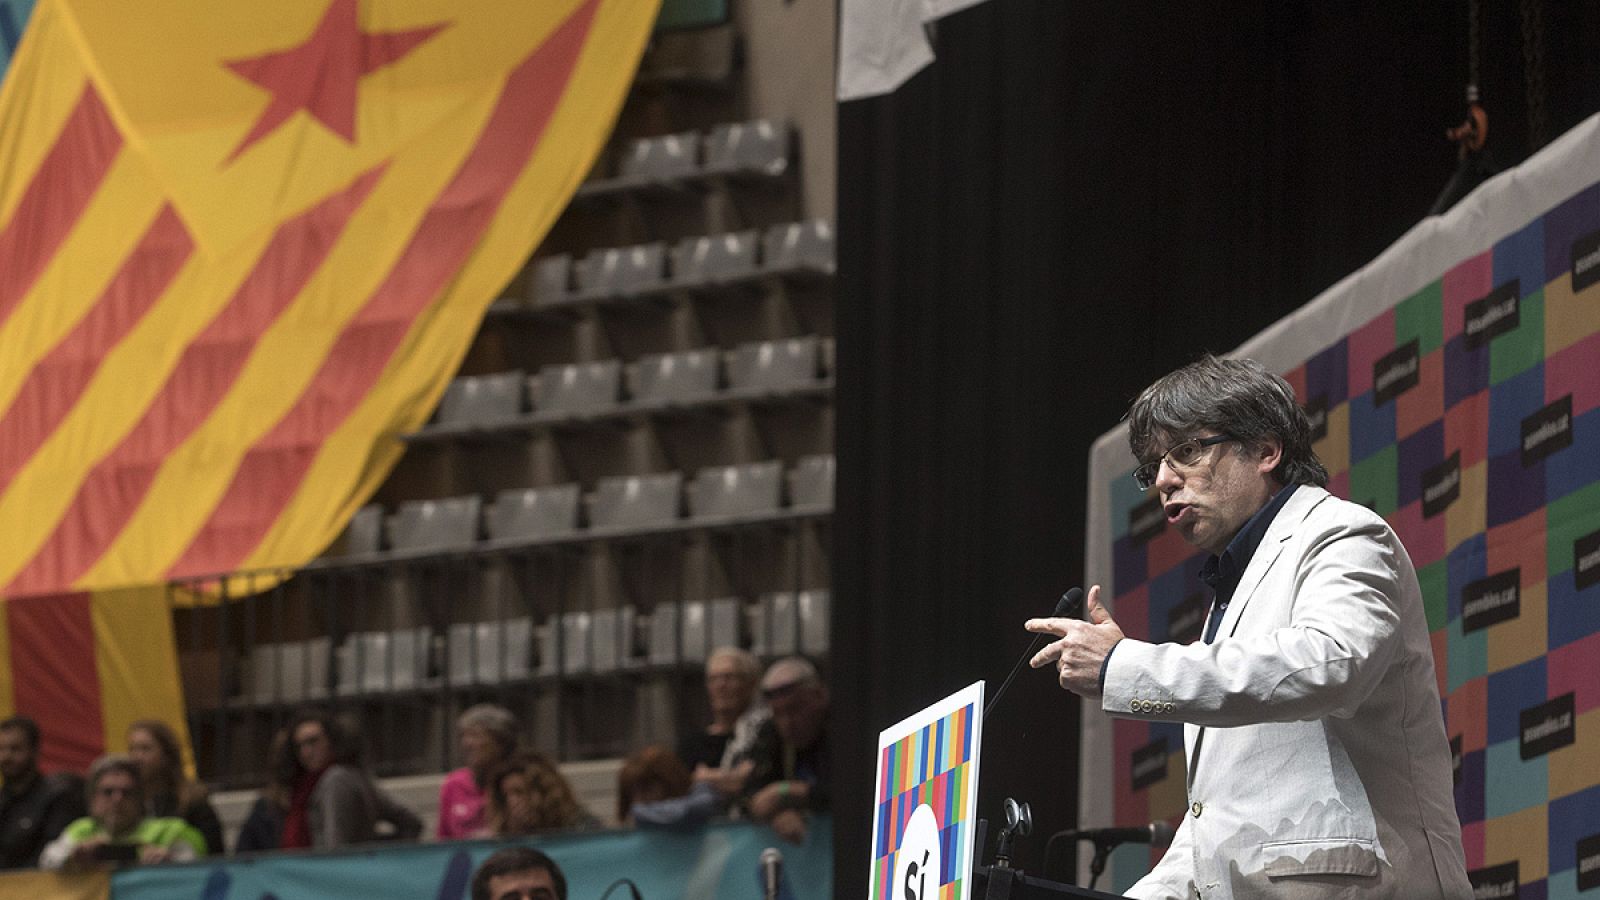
{"x":1344,"y":596}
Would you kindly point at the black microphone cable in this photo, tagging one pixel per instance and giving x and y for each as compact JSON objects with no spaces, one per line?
{"x":1066,"y":607}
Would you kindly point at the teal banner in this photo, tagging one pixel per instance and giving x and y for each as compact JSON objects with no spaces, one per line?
{"x":13,"y":19}
{"x":717,"y":862}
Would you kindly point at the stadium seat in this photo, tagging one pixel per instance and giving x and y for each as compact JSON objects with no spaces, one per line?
{"x":636,"y":501}
{"x":684,"y":377}
{"x":811,"y":482}
{"x":490,"y":652}
{"x":482,"y":399}
{"x":743,"y":490}
{"x":704,"y":627}
{"x":599,"y":641}
{"x":715,"y":258}
{"x":552,"y":280}
{"x":773,"y":365}
{"x":621,"y":271}
{"x":364,"y":534}
{"x":435,"y":524}
{"x":532,"y":513}
{"x":661,"y":158}
{"x":783,"y":622}
{"x":291,"y":671}
{"x":577,"y":388}
{"x":381,"y":661}
{"x":799,"y":247}
{"x":760,"y":147}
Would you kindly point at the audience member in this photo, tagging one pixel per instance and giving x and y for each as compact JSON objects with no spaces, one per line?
{"x":529,"y":795}
{"x":117,"y":830}
{"x":487,"y":736}
{"x":719,"y":755}
{"x":34,"y":807}
{"x":519,"y":873}
{"x":791,"y":776}
{"x":331,"y":801}
{"x":168,"y":791}
{"x":654,"y":788}
{"x":263,"y":827}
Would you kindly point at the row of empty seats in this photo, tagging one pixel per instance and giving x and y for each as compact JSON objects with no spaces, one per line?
{"x":574,"y":643}
{"x":623,"y":502}
{"x":761,"y":148}
{"x":660,"y":379}
{"x":791,"y":249}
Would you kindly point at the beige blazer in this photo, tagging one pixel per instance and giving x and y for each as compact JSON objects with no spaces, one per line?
{"x":1317,"y":759}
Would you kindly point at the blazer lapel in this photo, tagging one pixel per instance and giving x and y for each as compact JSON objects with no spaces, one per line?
{"x":1267,"y":552}
{"x":1305,"y":498}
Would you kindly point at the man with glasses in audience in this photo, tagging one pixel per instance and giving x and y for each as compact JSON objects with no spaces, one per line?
{"x":116,"y":831}
{"x":1317,"y":759}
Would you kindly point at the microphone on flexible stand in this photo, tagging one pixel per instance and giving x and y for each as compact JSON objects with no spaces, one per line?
{"x":1156,"y":834}
{"x":771,"y":872}
{"x":1066,"y":607}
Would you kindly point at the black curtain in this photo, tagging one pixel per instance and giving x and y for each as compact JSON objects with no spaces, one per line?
{"x":1073,"y":199}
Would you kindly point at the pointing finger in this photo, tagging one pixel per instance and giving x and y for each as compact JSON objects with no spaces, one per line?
{"x":1046,"y":626}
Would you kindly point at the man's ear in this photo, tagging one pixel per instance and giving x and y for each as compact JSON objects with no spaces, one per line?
{"x":1269,"y":452}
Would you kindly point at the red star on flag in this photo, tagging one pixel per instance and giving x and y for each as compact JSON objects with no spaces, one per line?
{"x":321,"y":74}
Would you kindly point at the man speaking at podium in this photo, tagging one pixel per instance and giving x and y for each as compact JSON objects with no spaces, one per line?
{"x":1317,"y":759}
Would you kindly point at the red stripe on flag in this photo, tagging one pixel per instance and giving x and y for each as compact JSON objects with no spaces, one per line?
{"x":59,"y":379}
{"x":204,"y":374}
{"x":69,"y":175}
{"x":272,"y":470}
{"x":54,"y":677}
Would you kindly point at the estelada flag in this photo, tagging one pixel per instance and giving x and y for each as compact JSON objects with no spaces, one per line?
{"x":243,"y":246}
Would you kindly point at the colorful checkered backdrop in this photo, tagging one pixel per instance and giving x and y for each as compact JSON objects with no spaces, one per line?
{"x":1465,"y":409}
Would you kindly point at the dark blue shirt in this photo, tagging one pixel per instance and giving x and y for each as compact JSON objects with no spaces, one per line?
{"x":1222,"y":573}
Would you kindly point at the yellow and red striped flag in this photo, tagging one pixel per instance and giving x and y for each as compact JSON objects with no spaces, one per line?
{"x":242,"y":247}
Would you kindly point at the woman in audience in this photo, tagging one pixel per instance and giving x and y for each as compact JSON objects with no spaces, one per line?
{"x":487,"y":736}
{"x":168,"y":791}
{"x":331,"y":801}
{"x":654,"y":788}
{"x":529,"y":794}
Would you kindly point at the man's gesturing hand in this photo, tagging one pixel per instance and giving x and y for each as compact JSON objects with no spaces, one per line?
{"x":1082,"y":648}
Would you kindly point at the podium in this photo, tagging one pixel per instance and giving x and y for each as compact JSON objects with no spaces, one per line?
{"x":990,"y":883}
{"x":925,"y":826}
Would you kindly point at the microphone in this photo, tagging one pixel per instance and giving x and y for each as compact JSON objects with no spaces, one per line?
{"x":771,"y":872}
{"x":1066,"y":607}
{"x":1156,"y":834}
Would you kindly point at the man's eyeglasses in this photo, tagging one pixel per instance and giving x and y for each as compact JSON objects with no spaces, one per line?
{"x":1186,"y":455}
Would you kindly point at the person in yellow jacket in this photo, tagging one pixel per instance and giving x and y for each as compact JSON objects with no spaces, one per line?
{"x":116,"y":831}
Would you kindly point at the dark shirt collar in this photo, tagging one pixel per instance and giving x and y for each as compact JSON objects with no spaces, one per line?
{"x":1222,"y":573}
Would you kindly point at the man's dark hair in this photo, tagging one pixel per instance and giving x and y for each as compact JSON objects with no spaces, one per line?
{"x":512,"y":860}
{"x":28,"y":727}
{"x":1236,"y":397}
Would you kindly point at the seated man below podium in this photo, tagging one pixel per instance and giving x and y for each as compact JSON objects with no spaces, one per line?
{"x":1318,"y":763}
{"x":116,"y":831}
